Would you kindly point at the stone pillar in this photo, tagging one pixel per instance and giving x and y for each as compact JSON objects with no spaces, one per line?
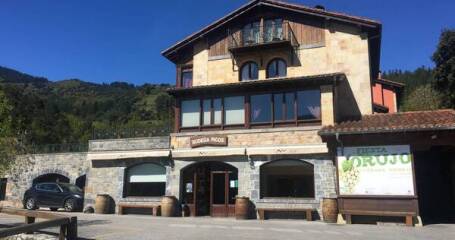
{"x":327,"y":108}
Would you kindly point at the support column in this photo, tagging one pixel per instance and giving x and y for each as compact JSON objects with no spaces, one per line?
{"x":327,"y":108}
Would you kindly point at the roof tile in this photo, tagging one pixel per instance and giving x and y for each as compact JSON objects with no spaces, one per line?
{"x":396,"y":122}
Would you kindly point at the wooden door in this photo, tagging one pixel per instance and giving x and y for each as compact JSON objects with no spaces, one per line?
{"x":221,"y":204}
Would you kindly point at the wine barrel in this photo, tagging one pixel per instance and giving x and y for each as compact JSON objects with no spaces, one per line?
{"x":168,"y":206}
{"x":241,"y":207}
{"x":102,"y":204}
{"x":330,"y":210}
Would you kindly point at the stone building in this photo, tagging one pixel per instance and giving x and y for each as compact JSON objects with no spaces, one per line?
{"x":253,"y":91}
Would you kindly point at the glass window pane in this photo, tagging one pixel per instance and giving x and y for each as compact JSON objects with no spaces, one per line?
{"x":268,"y":30}
{"x":206,"y":115}
{"x":245,"y":72}
{"x":187,"y":79}
{"x":281,"y":68}
{"x":289,"y":101}
{"x":278,"y":29}
{"x":217,"y":111}
{"x":249,"y":71}
{"x":309,"y":104}
{"x":261,"y":108}
{"x":190,"y":113}
{"x":234,"y":110}
{"x":254,"y":71}
{"x":278,"y":106}
{"x":271,"y":70}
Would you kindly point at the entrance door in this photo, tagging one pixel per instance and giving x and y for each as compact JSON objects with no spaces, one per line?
{"x":223,"y":191}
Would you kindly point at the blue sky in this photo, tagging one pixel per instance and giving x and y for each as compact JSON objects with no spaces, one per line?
{"x":121,"y":40}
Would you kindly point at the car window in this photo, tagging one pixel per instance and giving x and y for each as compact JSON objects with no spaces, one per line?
{"x":49,"y":187}
{"x":70,"y":188}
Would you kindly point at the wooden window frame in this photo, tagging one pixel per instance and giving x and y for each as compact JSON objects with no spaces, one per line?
{"x":276,"y":61}
{"x":248,"y":64}
{"x":181,"y":70}
{"x":247,"y":112}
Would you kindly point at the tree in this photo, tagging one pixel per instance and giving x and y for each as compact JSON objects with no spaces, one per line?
{"x":422,"y":98}
{"x":9,"y":144}
{"x":444,"y":72}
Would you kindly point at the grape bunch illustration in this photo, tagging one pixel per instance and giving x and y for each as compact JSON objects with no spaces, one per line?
{"x":349,"y":176}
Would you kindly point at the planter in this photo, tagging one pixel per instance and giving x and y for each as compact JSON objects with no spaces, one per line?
{"x":168,"y":206}
{"x":242,"y":207}
{"x":330,"y":210}
{"x":102,"y":204}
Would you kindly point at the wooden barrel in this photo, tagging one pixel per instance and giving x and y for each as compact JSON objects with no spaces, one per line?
{"x":168,"y":206}
{"x":102,"y":204}
{"x":241,"y":207}
{"x":330,"y":210}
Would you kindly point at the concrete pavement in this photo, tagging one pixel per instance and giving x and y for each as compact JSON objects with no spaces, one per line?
{"x":94,"y":226}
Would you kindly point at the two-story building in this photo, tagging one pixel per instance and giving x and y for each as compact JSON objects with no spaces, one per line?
{"x":252,"y":91}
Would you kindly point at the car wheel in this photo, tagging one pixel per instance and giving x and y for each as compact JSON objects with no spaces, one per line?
{"x":30,"y":204}
{"x":70,"y":205}
{"x":53,"y":209}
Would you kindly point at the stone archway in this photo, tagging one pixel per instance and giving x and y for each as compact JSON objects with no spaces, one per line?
{"x":209,"y":188}
{"x":50,"y":177}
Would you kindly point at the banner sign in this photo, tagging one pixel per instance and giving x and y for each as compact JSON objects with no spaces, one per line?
{"x":375,"y":170}
{"x":200,"y":141}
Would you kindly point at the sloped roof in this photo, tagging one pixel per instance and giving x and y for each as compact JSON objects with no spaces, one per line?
{"x":395,"y":122}
{"x":390,"y":82}
{"x":369,"y":23}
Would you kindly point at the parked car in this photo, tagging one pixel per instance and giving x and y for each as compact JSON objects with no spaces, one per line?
{"x":54,"y":196}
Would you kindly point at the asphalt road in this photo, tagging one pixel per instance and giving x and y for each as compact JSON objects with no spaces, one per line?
{"x":94,"y":226}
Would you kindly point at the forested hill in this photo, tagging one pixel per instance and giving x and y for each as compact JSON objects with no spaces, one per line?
{"x":67,"y":111}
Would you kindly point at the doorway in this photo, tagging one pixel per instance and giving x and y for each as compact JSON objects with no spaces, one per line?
{"x":435,"y":182}
{"x":209,"y":189}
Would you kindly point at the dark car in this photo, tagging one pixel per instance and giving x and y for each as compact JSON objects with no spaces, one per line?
{"x":54,"y":196}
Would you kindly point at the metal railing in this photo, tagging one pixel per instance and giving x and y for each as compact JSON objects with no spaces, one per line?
{"x":258,"y":34}
{"x":116,"y":133}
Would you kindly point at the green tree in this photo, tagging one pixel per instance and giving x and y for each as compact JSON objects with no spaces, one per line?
{"x":422,"y":98}
{"x":444,"y":73}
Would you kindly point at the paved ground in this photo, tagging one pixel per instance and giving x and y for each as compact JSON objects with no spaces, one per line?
{"x":94,"y":226}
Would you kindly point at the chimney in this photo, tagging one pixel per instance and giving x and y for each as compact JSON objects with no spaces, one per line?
{"x":320,"y":7}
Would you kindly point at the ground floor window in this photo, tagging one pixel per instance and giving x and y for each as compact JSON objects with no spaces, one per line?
{"x":287,"y":178}
{"x":147,"y":179}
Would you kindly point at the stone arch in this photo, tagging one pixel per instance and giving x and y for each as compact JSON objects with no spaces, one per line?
{"x":287,"y":177}
{"x":49,"y":175}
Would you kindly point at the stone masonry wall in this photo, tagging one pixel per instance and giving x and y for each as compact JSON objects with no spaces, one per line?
{"x":28,"y":167}
{"x":256,"y":137}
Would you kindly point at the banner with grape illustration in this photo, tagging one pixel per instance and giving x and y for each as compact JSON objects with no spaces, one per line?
{"x":375,"y":170}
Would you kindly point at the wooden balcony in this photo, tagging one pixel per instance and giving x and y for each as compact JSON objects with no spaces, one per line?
{"x":262,"y":37}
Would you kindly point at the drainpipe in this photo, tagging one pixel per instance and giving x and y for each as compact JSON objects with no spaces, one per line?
{"x":337,"y":137}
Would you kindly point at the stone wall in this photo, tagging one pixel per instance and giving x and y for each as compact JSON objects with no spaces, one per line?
{"x":29,"y":167}
{"x":256,"y":137}
{"x":127,"y":144}
{"x":107,"y":177}
{"x":249,"y":179}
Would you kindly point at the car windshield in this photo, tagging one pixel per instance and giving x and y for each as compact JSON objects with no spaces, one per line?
{"x":70,"y":188}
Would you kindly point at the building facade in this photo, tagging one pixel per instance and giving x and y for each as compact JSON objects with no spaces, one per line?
{"x":252,"y":91}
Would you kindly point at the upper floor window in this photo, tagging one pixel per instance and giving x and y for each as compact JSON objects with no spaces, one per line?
{"x":273,"y":30}
{"x":251,"y":33}
{"x":249,"y":71}
{"x":276,"y":68}
{"x":186,"y":78}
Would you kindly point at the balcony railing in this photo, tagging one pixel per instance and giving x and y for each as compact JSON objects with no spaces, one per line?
{"x":277,"y":34}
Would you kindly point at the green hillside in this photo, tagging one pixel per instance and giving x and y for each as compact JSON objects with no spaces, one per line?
{"x":70,"y":111}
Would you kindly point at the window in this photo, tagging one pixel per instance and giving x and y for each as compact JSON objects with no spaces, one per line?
{"x":147,"y":179}
{"x":309,"y":105}
{"x":190,"y":113}
{"x":49,"y":187}
{"x":249,"y":71}
{"x":287,"y":178}
{"x":211,"y":111}
{"x":282,"y":108}
{"x":273,"y":30}
{"x":187,"y":78}
{"x":276,"y":68}
{"x":234,"y":110}
{"x":250,"y":33}
{"x":261,"y":109}
{"x":283,"y":104}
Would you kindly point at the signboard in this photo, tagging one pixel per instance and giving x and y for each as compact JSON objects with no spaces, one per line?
{"x":375,"y":170}
{"x":200,"y":141}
